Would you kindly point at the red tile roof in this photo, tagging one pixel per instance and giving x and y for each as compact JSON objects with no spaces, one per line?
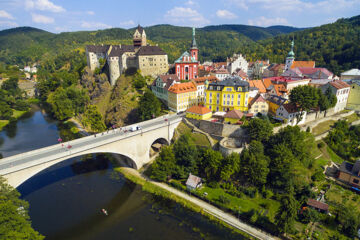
{"x":309,"y":64}
{"x":201,"y":110}
{"x":310,"y":70}
{"x":257,"y":98}
{"x":201,"y":80}
{"x":183,"y":87}
{"x":317,"y":204}
{"x":290,"y":107}
{"x":339,"y":84}
{"x":236,"y":114}
{"x":259,"y":84}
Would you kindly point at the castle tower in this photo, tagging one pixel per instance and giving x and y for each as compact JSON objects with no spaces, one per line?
{"x":139,"y":38}
{"x":194,"y":50}
{"x":290,"y":58}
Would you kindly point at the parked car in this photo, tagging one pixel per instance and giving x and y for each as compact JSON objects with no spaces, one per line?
{"x":135,"y":128}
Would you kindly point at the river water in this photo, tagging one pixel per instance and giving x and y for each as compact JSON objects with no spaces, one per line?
{"x":66,"y":199}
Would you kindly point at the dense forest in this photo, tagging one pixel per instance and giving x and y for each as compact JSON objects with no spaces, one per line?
{"x":334,"y":46}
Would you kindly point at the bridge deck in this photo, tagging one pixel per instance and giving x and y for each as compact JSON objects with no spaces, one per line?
{"x":46,"y":154}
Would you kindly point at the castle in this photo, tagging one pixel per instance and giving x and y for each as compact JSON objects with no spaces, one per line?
{"x":151,"y":60}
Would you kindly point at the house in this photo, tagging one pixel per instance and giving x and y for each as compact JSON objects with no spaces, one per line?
{"x":237,"y":62}
{"x":256,"y":69}
{"x":290,"y":62}
{"x":233,"y":116}
{"x":350,"y":173}
{"x":186,"y":66}
{"x":258,"y":105}
{"x":275,"y":102}
{"x":289,"y":83}
{"x":193,"y":182}
{"x":353,"y":102}
{"x":317,"y":205}
{"x":201,"y":84}
{"x":288,"y":113}
{"x":274,"y":70}
{"x":229,"y":94}
{"x":181,"y":96}
{"x":198,"y":112}
{"x":276,"y":89}
{"x":259,"y":84}
{"x":220,"y":74}
{"x":241,"y":74}
{"x":341,"y":90}
{"x":353,"y":74}
{"x":161,"y":85}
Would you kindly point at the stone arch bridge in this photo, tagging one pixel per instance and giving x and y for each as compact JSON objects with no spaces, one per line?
{"x":135,"y":145}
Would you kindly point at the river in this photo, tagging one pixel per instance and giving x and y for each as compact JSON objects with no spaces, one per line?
{"x":66,"y":199}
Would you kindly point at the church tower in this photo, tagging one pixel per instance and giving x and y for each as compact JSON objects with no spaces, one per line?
{"x":194,"y":50}
{"x":139,"y":38}
{"x":290,"y":58}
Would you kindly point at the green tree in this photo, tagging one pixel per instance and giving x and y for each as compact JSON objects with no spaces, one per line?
{"x":348,"y":217}
{"x":62,"y":106}
{"x":260,"y":129}
{"x":186,"y":154}
{"x":254,"y":164}
{"x":12,"y":87}
{"x":164,"y":165}
{"x":230,"y":166}
{"x":149,"y":106}
{"x":210,"y":163}
{"x":285,"y":216}
{"x":14,"y":219}
{"x":93,"y":118}
{"x":305,"y":98}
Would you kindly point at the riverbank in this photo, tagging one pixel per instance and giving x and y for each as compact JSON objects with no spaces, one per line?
{"x":222,"y":218}
{"x":16,"y":115}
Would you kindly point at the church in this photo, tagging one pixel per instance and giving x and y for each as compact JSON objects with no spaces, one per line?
{"x":151,"y":60}
{"x":187,"y":65}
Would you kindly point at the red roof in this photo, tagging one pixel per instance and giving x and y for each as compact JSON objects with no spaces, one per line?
{"x":236,"y":114}
{"x":183,"y":87}
{"x":257,"y":98}
{"x":201,"y":80}
{"x":310,"y":70}
{"x":300,"y":64}
{"x":339,"y":84}
{"x":290,"y":107}
{"x":201,"y":110}
{"x":259,"y":84}
{"x":317,"y":204}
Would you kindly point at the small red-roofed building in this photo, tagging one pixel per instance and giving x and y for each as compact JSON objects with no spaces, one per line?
{"x":233,"y":116}
{"x":258,"y":105}
{"x":201,"y":84}
{"x":288,"y":113}
{"x":198,"y":112}
{"x":341,"y":90}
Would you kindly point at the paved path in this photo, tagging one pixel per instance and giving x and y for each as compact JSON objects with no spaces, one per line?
{"x":226,"y":217}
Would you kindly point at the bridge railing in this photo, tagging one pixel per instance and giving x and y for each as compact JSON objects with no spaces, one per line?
{"x":115,"y":137}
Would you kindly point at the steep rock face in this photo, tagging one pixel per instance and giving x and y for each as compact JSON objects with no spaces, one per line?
{"x":118,"y":105}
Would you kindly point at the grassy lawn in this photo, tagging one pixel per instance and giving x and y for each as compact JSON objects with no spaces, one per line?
{"x":328,"y":154}
{"x":352,"y":118}
{"x":17,"y":114}
{"x":322,"y":127}
{"x":197,"y":138}
{"x":3,"y":123}
{"x":267,"y":207}
{"x":339,"y":195}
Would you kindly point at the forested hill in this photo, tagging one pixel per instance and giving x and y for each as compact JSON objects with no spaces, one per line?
{"x":335,"y":46}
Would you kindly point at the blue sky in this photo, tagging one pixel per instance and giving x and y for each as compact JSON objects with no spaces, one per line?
{"x":75,"y":15}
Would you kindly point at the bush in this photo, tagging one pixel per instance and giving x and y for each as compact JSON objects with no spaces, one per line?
{"x":21,"y":105}
{"x":177,"y":185}
{"x":318,"y":176}
{"x":214,"y":184}
{"x":321,"y":145}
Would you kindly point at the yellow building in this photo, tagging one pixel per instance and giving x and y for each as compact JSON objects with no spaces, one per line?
{"x":229,"y":94}
{"x":258,"y":105}
{"x":199,"y":113}
{"x":275,"y":102}
{"x":181,"y":96}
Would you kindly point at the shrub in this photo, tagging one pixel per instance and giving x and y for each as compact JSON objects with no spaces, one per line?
{"x":214,"y":184}
{"x":321,"y":144}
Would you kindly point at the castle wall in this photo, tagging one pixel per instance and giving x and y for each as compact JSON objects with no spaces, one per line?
{"x":153,"y":64}
{"x":114,"y":69}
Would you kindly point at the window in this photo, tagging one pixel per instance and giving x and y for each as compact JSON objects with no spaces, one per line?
{"x":228,"y":89}
{"x":218,"y":88}
{"x":210,"y":95}
{"x":228,"y":96}
{"x":228,"y":102}
{"x":355,"y":180}
{"x":232,"y":96}
{"x":218,"y":95}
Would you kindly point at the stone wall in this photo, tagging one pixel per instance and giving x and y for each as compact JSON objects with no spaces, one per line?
{"x":153,"y":64}
{"x":230,"y":145}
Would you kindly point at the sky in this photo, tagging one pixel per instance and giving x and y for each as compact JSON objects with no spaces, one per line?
{"x":81,"y":15}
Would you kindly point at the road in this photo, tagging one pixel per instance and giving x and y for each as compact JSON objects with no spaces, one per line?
{"x":82,"y":144}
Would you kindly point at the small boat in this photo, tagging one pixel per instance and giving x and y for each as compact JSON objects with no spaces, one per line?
{"x":104,"y":211}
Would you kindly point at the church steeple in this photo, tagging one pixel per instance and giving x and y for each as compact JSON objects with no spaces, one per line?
{"x":291,"y":57}
{"x":193,"y":44}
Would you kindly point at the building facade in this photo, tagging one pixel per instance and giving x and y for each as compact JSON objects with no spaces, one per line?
{"x":258,"y":105}
{"x":151,"y":60}
{"x":237,"y":62}
{"x":288,"y":113}
{"x":187,"y":65}
{"x":161,"y":85}
{"x":341,"y":91}
{"x":229,"y":94}
{"x":181,"y":96}
{"x":198,"y":112}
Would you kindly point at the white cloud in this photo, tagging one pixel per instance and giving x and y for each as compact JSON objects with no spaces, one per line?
{"x":190,"y":3}
{"x":4,"y":14}
{"x":43,"y":5}
{"x":90,"y":12}
{"x":181,"y":15}
{"x":37,"y":18}
{"x":296,"y":5}
{"x":8,"y":24}
{"x":265,"y":22}
{"x":225,"y":14}
{"x":127,"y":23}
{"x":94,"y":25}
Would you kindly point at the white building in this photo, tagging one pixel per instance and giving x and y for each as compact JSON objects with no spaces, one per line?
{"x":237,"y":61}
{"x":288,"y":113}
{"x":341,"y":90}
{"x":353,"y":74}
{"x":220,"y":74}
